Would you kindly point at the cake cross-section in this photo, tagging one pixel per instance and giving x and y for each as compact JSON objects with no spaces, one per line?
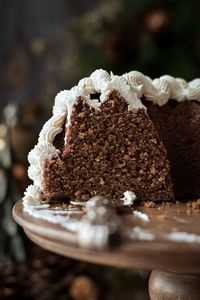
{"x":108,"y":151}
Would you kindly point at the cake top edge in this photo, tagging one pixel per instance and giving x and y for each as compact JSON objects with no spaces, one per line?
{"x":132,"y":86}
{"x":158,"y":90}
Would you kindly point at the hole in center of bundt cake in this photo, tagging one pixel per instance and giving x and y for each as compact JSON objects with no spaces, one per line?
{"x":109,"y":151}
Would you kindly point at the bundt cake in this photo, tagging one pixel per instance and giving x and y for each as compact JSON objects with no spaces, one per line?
{"x":121,"y":137}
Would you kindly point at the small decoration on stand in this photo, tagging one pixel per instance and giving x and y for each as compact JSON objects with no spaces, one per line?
{"x":101,"y":227}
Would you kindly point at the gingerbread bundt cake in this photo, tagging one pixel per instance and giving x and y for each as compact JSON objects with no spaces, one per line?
{"x":120,"y":137}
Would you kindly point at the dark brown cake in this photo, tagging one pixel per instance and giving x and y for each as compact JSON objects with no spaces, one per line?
{"x":178,"y":125}
{"x":109,"y":152}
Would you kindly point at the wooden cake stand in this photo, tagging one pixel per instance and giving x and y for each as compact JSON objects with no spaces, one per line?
{"x":174,"y":258}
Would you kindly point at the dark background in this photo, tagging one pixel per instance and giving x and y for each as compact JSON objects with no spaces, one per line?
{"x":48,"y":45}
{"x":31,"y":32}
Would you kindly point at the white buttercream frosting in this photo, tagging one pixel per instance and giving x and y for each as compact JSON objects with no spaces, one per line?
{"x":131,"y":86}
{"x":119,"y":84}
{"x":60,"y":107}
{"x":99,"y":79}
{"x":129,"y":198}
{"x":32,"y":196}
{"x":160,"y":90}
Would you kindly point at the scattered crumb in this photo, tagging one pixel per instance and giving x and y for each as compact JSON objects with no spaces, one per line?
{"x":193,"y":206}
{"x":189,"y":211}
{"x":161,"y":217}
{"x":150,"y":204}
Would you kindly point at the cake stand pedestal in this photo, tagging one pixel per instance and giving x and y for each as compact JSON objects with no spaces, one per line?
{"x":175,"y":264}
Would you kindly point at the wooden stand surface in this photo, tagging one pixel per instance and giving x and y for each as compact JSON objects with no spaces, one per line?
{"x":175,"y":265}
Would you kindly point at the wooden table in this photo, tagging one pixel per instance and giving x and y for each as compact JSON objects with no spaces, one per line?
{"x":175,"y":264}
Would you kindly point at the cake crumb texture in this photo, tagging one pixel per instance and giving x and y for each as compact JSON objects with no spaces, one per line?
{"x":109,"y":151}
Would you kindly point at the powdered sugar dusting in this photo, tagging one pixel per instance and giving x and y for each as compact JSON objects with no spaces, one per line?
{"x":178,"y":236}
{"x":88,"y":235}
{"x":32,"y":203}
{"x":141,"y":234}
